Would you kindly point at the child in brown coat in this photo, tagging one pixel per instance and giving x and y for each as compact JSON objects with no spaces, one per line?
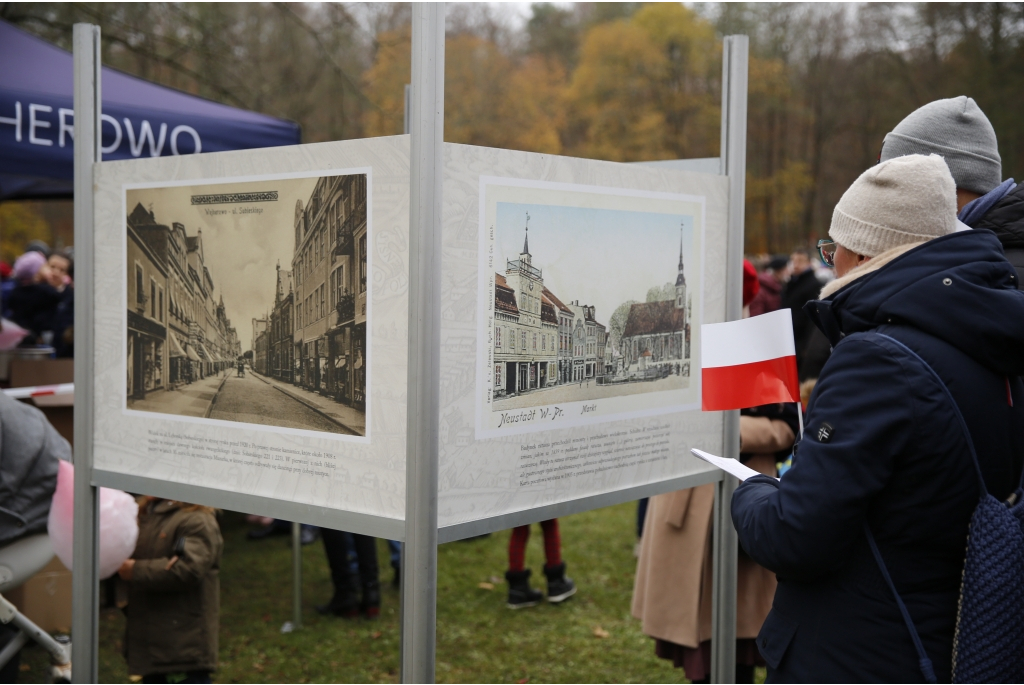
{"x":174,"y":593}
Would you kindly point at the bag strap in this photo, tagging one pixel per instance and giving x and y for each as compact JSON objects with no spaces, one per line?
{"x":927,"y":670}
{"x":952,"y":402}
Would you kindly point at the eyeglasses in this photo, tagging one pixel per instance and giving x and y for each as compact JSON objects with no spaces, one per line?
{"x":827,"y":250}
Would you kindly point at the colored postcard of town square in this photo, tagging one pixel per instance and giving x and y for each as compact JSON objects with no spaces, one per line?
{"x":590,"y":305}
{"x":248,"y":301}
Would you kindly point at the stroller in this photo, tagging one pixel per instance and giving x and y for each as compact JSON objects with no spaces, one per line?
{"x":30,"y":449}
{"x":19,"y":561}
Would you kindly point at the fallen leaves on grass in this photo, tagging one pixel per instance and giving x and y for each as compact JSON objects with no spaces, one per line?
{"x":601,"y":632}
{"x":496,"y":580}
{"x":485,"y":586}
{"x":375,"y":634}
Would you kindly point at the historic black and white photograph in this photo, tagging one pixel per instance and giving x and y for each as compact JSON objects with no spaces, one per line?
{"x":589,"y":303}
{"x":248,"y":302}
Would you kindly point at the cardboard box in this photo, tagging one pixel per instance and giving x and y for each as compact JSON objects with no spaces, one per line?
{"x":27,"y":372}
{"x":30,"y":372}
{"x":45,"y":598}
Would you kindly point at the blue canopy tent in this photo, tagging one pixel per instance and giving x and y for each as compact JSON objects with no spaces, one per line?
{"x":140,"y":119}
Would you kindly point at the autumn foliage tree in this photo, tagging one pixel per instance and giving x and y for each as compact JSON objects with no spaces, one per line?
{"x":490,"y":99}
{"x":20,"y":223}
{"x":616,"y":81}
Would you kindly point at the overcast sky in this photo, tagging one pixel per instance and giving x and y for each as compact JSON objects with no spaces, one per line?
{"x":601,"y":257}
{"x":241,"y":250}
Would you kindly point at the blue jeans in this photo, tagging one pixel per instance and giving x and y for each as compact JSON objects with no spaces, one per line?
{"x":395,"y":552}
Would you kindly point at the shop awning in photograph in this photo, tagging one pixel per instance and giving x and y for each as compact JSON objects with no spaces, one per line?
{"x":176,"y":350}
{"x":191,"y":354}
{"x":140,"y":119}
{"x":207,"y":357}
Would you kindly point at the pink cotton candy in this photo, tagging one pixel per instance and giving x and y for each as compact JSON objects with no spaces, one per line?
{"x":119,"y":525}
{"x":10,"y":334}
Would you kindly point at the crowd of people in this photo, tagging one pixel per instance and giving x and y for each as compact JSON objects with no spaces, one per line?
{"x":908,"y":324}
{"x":37,"y":295}
{"x":853,"y":566}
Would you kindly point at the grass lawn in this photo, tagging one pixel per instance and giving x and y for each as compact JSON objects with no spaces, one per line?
{"x":590,"y":638}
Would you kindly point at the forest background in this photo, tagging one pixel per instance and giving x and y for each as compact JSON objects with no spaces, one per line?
{"x":616,"y":81}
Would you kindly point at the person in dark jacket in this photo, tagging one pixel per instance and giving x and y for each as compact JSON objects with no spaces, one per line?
{"x":1005,"y":218}
{"x":883,"y":448}
{"x":64,"y":324}
{"x":802,"y":287}
{"x":33,"y":300}
{"x":173,"y":593}
{"x":959,"y":131}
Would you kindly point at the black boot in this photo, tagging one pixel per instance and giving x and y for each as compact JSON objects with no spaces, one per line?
{"x":560,"y":586}
{"x":520,"y":594}
{"x":369,"y":574}
{"x":344,"y":603}
{"x":370,"y":605}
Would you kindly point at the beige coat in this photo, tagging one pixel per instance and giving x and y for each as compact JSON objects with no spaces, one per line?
{"x":672,"y":595}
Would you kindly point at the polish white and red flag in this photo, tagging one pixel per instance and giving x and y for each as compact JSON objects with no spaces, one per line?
{"x":749,"y":362}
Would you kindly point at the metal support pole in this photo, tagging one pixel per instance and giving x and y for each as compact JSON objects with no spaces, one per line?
{"x":734,"y":165}
{"x":88,"y":139}
{"x":419,"y":553}
{"x":296,"y":575}
{"x":405,"y":121}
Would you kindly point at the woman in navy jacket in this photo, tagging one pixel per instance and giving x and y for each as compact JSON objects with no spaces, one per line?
{"x":883,"y":448}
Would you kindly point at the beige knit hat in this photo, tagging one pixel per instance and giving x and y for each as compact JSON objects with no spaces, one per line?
{"x":904,"y":200}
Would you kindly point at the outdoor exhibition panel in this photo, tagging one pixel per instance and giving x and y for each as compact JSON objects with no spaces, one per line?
{"x":568,"y":352}
{"x":365,"y":335}
{"x":572,"y":296}
{"x":251,"y":330}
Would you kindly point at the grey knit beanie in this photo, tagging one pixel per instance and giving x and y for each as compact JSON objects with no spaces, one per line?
{"x":958,"y":130}
{"x":909,"y":199}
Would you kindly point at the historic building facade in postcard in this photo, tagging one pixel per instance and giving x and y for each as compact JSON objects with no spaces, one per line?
{"x":200,"y":256}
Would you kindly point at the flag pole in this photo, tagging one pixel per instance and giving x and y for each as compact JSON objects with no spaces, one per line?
{"x":800,"y":417}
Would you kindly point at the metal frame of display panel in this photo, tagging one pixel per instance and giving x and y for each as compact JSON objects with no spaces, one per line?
{"x":85,"y":552}
{"x":426,"y":174}
{"x":494,"y":524}
{"x":419,"y":531}
{"x":352,"y":521}
{"x":725,"y":543}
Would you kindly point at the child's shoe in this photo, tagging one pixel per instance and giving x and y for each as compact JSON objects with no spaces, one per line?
{"x":520,"y":594}
{"x":560,"y":586}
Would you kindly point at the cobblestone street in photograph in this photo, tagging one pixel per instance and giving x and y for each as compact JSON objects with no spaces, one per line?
{"x":252,"y":400}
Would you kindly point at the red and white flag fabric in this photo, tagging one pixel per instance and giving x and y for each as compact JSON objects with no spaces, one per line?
{"x":749,"y":362}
